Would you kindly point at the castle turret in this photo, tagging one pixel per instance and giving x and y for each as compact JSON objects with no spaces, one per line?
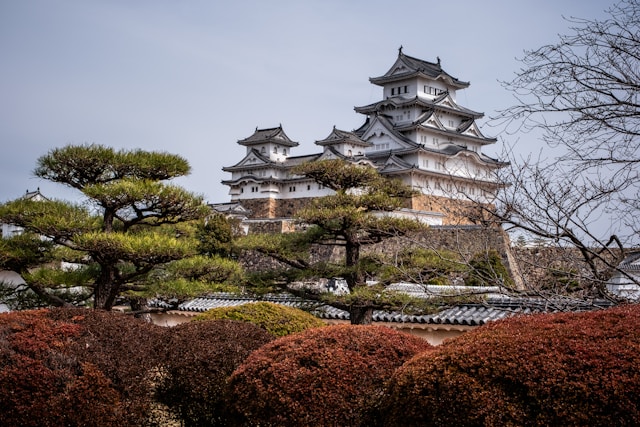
{"x":417,"y":132}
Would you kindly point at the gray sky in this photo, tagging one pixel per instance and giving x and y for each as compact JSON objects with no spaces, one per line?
{"x":194,"y":77}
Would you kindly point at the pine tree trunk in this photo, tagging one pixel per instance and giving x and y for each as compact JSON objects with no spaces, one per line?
{"x":352,"y":257}
{"x":105,"y":289}
{"x":361,"y":315}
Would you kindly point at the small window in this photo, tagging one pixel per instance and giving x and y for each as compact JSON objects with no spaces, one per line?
{"x":275,"y":150}
{"x":308,"y":187}
{"x":262,"y":150}
{"x":284,"y":151}
{"x":393,"y":91}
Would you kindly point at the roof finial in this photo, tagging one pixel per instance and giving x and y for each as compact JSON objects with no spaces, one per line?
{"x":438,"y":59}
{"x":400,"y":50}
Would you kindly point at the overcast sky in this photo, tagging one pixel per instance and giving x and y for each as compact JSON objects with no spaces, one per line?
{"x":194,"y":77}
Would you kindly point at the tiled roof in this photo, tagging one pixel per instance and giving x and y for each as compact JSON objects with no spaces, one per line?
{"x":339,"y":136}
{"x":631,"y":262}
{"x":412,"y":66}
{"x":473,"y":314}
{"x":276,"y":135}
{"x":397,"y":102}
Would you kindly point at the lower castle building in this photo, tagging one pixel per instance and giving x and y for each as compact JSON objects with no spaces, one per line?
{"x":417,"y":132}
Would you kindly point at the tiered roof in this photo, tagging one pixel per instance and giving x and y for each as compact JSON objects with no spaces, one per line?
{"x":407,"y":67}
{"x":274,"y":135}
{"x":381,"y":127}
{"x":338,"y":136}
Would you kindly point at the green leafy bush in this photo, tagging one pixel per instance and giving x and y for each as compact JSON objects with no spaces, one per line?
{"x":487,"y":269}
{"x":331,"y":376}
{"x":277,"y":319}
{"x":56,"y":370}
{"x":561,"y":369}
{"x":200,"y":358}
{"x":429,"y":266}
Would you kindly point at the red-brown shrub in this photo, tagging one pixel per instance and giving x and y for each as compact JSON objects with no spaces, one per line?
{"x":561,"y":369}
{"x":201,"y":357}
{"x":75,"y":367}
{"x":326,"y":376}
{"x":125,"y":349}
{"x":42,"y":384}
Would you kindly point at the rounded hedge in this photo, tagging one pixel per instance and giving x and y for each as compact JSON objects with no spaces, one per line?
{"x":325,"y":376}
{"x":199,"y":360}
{"x":557,"y":369}
{"x":277,"y":319}
{"x":74,"y":367}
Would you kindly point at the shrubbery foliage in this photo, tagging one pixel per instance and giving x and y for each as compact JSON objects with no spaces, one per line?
{"x":77,"y":367}
{"x":73,"y":367}
{"x":324,"y":376}
{"x":201,"y":357}
{"x":127,"y":350}
{"x":278,"y":320}
{"x":560,"y":369}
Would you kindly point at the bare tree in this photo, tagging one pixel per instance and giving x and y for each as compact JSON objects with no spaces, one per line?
{"x":581,"y":96}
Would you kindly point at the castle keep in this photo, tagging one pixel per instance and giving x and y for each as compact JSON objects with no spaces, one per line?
{"x":417,"y":133}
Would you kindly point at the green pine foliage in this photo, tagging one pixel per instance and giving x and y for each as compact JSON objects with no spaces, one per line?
{"x":131,"y":237}
{"x":277,"y":319}
{"x":352,"y":218}
{"x":487,"y":269}
{"x":421,"y":265}
{"x":215,"y":236}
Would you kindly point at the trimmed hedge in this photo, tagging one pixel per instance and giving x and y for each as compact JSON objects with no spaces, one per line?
{"x":561,"y":369}
{"x":278,"y":320}
{"x":200,"y":358}
{"x":325,"y":376}
{"x":74,"y":367}
{"x":126,"y":349}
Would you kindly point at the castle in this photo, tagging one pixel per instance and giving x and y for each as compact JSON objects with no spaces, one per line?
{"x":417,"y":133}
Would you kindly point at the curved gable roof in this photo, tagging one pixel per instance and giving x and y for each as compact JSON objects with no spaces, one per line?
{"x":380,"y":120}
{"x":407,"y":66}
{"x":273,"y":135}
{"x":338,"y":136}
{"x":252,"y":159}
